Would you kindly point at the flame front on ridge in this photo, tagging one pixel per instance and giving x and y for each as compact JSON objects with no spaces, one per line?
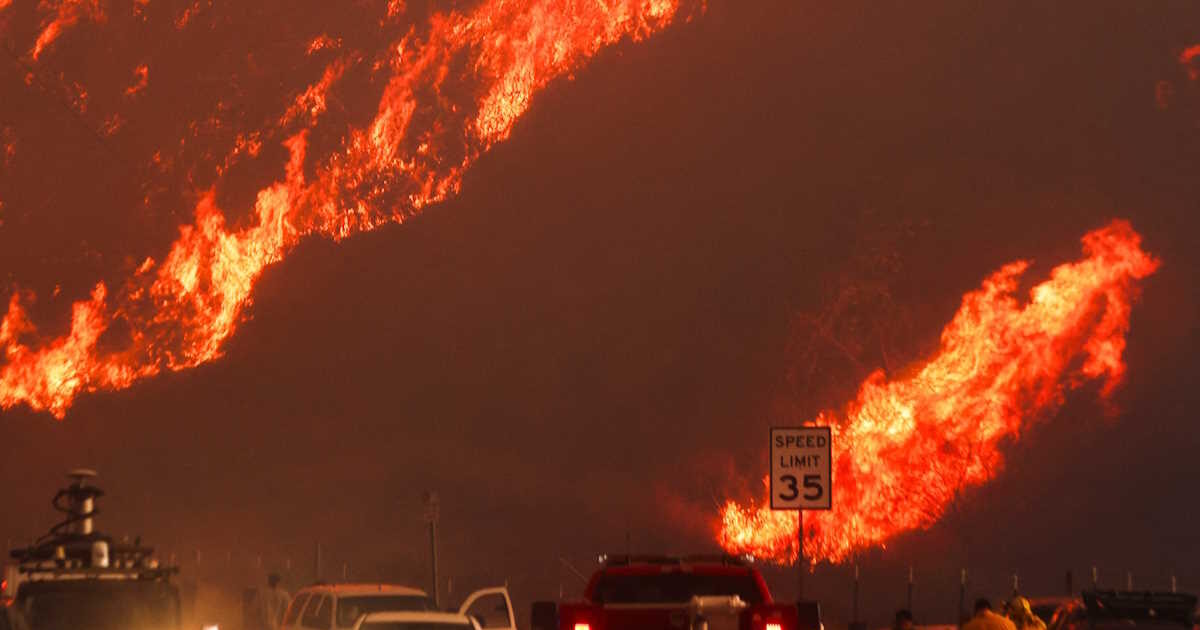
{"x":904,"y":449}
{"x":454,"y":91}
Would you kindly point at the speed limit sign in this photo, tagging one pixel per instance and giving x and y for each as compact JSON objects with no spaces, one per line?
{"x":801,"y":468}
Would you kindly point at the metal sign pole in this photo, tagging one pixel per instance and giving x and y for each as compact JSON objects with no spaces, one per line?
{"x":800,"y":555}
{"x":801,"y":478}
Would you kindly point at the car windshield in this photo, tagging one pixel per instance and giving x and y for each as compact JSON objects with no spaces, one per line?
{"x":673,"y":588}
{"x":103,"y":606}
{"x":349,"y":609}
{"x":417,"y":625}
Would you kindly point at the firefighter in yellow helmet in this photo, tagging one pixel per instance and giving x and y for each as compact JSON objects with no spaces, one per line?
{"x":1022,"y":615}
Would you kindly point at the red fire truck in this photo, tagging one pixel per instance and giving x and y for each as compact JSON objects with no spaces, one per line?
{"x":675,"y":593}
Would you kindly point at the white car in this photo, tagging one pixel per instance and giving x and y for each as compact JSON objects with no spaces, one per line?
{"x":338,"y":606}
{"x":417,"y":621}
{"x":489,"y":609}
{"x":342,"y":606}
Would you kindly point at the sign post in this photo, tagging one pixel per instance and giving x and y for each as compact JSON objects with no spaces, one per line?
{"x":801,"y":477}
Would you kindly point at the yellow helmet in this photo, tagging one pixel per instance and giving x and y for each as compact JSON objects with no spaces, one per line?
{"x":1020,"y":605}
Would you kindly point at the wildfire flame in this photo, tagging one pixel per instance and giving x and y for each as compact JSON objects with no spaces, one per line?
{"x":454,"y":91}
{"x":905,"y":448}
{"x":66,"y":14}
{"x":1187,"y":59}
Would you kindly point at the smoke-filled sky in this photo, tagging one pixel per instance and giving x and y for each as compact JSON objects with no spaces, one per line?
{"x":591,"y":339}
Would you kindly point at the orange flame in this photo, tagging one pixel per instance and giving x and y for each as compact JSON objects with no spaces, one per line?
{"x":1187,"y":58}
{"x":191,"y":12}
{"x":67,"y":13}
{"x":427,"y":130}
{"x":141,"y":78}
{"x":9,"y":142}
{"x":904,"y":449}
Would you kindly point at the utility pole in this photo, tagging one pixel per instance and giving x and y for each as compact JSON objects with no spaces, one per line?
{"x":317,"y":563}
{"x":432,"y":509}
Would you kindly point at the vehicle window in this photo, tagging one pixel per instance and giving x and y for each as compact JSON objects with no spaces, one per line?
{"x":349,"y":609}
{"x":673,"y":588}
{"x":491,"y":611}
{"x":313,"y":612}
{"x":325,"y":613}
{"x":417,"y":625}
{"x":310,"y":609}
{"x":293,"y":611}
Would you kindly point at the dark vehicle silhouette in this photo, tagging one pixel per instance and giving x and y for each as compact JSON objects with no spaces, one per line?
{"x":75,"y":577}
{"x":1127,"y":610}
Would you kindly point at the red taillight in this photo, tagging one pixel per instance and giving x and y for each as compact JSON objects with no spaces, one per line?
{"x":583,"y":626}
{"x":774,"y":626}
